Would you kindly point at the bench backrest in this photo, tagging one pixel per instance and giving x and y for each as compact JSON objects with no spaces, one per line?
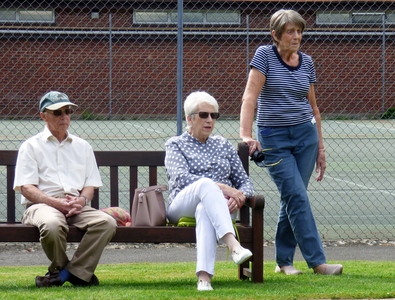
{"x":114,"y":160}
{"x":133,"y":160}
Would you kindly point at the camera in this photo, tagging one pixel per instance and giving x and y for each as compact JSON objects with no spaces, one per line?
{"x":257,"y":156}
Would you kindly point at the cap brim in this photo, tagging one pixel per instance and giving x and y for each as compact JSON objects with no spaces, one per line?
{"x":60,"y":105}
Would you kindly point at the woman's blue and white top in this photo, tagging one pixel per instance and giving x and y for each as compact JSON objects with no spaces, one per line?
{"x":188,"y":160}
{"x":283,"y":99}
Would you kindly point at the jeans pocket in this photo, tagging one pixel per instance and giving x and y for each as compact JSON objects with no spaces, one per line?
{"x":265,"y":131}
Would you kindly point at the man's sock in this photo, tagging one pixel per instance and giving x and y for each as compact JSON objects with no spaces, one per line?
{"x":64,"y":275}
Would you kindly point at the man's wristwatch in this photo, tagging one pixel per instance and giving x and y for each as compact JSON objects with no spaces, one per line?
{"x":86,"y":199}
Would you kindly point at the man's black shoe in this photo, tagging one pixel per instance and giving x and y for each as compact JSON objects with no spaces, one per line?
{"x":48,"y":280}
{"x":79,"y":282}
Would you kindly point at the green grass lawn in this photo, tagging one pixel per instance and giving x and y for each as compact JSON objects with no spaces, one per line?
{"x":360,"y":280}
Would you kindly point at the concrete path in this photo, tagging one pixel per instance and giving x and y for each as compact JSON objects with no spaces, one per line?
{"x":32,"y":254}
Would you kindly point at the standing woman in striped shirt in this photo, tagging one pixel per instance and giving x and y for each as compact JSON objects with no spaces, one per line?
{"x":281,"y":86}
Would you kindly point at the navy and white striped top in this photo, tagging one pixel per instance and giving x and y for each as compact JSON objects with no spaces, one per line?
{"x":283,"y":99}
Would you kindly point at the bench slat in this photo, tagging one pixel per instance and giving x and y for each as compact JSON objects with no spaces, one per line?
{"x":10,"y":194}
{"x":165,"y":234}
{"x":153,"y":175}
{"x":130,"y":158}
{"x":133,"y":184}
{"x":114,"y":186}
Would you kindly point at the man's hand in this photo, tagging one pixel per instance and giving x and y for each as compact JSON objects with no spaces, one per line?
{"x":69,"y":206}
{"x":74,"y":205}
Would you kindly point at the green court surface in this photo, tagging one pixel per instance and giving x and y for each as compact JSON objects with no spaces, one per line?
{"x":354,"y":201}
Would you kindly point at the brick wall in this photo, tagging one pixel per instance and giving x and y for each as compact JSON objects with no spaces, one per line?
{"x":347,"y":83}
{"x":144,"y":68}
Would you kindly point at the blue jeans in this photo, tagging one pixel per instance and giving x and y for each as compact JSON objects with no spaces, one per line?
{"x":297,"y":146}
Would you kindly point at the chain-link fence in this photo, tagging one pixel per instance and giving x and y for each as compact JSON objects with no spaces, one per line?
{"x":126,"y":63}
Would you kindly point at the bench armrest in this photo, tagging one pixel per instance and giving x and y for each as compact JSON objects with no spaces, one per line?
{"x":256,"y":202}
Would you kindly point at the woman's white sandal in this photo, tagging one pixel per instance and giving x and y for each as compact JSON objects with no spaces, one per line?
{"x":204,"y":286}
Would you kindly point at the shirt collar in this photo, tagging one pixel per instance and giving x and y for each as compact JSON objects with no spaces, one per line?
{"x":47,"y":135}
{"x":195,"y":140}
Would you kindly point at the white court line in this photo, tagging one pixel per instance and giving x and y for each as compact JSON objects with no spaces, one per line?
{"x":142,"y":127}
{"x":367,"y":126}
{"x":360,"y":185}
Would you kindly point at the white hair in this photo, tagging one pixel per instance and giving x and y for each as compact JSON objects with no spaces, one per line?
{"x":193,"y":100}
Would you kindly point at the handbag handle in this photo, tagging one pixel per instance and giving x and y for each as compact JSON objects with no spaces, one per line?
{"x":156,"y":188}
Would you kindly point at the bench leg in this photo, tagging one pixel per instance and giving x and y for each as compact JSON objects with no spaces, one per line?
{"x":245,"y":272}
{"x":252,"y":269}
{"x":257,"y":264}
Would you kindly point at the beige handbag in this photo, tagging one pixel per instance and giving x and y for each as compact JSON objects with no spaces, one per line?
{"x":148,"y":207}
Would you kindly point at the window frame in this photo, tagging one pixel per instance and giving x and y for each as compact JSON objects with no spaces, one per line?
{"x":172,"y":17}
{"x":18,"y":19}
{"x":353,"y":16}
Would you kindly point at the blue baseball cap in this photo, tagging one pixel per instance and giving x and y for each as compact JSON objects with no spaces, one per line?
{"x":55,"y":100}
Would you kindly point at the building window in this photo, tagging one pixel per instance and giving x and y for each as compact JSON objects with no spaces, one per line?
{"x":27,"y":15}
{"x":148,"y":17}
{"x":189,"y":17}
{"x":362,"y":18}
{"x":391,"y":17}
{"x":332,"y":18}
{"x":367,"y":18}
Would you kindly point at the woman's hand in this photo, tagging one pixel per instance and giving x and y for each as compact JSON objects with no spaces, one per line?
{"x":236,"y":201}
{"x":236,"y":198}
{"x":234,"y":204}
{"x":320,"y":164}
{"x":252,"y":145}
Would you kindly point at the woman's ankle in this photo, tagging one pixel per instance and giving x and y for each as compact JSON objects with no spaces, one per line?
{"x":203,"y":276}
{"x":231,"y":241}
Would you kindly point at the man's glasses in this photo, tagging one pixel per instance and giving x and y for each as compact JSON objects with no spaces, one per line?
{"x":58,"y":112}
{"x":204,"y":115}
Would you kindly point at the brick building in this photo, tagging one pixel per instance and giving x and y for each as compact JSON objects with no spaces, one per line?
{"x":119,"y":58}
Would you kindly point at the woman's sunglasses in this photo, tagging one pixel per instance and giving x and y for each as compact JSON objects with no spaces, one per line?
{"x":204,"y":115}
{"x":58,"y":112}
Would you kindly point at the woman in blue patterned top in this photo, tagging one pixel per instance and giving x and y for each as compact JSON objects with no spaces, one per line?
{"x":281,"y":83}
{"x":208,"y":182}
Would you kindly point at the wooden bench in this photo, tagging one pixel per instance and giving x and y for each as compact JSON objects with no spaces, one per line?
{"x":249,"y":225}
